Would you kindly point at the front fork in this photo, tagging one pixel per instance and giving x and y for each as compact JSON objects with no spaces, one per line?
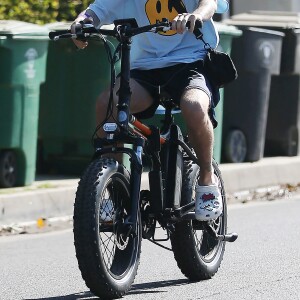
{"x":106,"y":146}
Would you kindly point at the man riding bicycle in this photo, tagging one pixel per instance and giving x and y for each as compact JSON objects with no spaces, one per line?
{"x":171,"y":61}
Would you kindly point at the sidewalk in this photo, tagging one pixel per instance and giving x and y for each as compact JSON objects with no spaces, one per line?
{"x":52,"y":197}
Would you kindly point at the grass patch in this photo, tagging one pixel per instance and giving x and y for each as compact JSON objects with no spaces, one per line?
{"x":46,"y":185}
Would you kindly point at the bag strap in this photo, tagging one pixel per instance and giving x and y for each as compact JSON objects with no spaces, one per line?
{"x":199,"y":36}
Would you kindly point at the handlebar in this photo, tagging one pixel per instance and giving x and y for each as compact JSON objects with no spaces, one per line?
{"x":86,"y":30}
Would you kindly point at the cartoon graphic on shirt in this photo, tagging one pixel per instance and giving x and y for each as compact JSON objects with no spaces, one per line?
{"x":156,"y":10}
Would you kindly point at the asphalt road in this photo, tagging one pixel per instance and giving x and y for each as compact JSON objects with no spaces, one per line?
{"x":264,"y":262}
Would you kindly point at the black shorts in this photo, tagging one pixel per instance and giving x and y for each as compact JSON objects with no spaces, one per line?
{"x":174,"y":81}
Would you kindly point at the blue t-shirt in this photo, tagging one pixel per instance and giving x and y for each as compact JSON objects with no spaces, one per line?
{"x":150,"y":50}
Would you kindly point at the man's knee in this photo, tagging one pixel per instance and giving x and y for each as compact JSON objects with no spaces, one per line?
{"x":195,"y":105}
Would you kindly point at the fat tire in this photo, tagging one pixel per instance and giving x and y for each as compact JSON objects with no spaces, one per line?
{"x":102,"y":281}
{"x":186,"y":252}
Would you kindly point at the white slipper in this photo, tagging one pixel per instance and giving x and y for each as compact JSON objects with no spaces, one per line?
{"x":208,"y":204}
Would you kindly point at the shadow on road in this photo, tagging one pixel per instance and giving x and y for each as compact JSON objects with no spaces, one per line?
{"x":77,"y":296}
{"x":141,"y":288}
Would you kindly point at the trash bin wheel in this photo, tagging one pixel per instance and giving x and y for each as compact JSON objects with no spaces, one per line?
{"x":8,"y":168}
{"x":235,"y":146}
{"x":293,"y":141}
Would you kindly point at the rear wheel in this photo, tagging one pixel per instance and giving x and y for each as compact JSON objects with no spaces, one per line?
{"x":107,"y":252}
{"x":198,"y":255}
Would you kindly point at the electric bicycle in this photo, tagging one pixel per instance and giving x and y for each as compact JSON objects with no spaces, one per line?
{"x":112,"y":214}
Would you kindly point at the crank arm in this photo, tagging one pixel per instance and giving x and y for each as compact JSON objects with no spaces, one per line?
{"x":184,"y":212}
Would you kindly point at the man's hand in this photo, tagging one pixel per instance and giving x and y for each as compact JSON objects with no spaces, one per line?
{"x":179,"y":22}
{"x":83,"y":17}
{"x":203,"y":12}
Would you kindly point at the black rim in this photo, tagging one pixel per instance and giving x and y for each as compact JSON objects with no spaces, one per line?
{"x":117,"y":249}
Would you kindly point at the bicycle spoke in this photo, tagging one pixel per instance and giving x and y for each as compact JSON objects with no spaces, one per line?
{"x":108,"y":252}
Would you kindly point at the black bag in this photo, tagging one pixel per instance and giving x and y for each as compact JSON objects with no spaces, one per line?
{"x":219,"y":67}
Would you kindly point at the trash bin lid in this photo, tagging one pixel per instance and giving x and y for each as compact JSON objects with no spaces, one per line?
{"x":227,"y":29}
{"x":58,"y":25}
{"x":19,"y":28}
{"x":263,"y":30}
{"x":279,"y":19}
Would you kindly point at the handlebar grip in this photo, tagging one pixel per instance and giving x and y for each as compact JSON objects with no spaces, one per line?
{"x":198,"y":24}
{"x":53,"y":34}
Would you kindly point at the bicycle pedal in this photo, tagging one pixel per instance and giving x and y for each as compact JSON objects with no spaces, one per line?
{"x":229,"y":237}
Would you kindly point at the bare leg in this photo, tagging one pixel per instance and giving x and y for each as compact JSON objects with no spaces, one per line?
{"x":140,"y":100}
{"x":194,"y":106}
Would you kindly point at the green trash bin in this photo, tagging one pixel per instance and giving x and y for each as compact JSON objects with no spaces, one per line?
{"x":226,"y":33}
{"x":67,"y":120}
{"x":23,"y":51}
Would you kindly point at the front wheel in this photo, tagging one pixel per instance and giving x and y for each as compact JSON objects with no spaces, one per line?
{"x":107,"y":252}
{"x":197,"y":253}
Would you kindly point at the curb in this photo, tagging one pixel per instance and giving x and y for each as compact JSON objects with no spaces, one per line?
{"x":243,"y":182}
{"x":273,"y":171}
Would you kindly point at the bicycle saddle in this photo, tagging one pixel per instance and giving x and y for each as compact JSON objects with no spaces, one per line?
{"x":166,"y":102}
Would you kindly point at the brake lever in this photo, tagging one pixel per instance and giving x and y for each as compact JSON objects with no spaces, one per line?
{"x":165,"y":25}
{"x":65,"y":36}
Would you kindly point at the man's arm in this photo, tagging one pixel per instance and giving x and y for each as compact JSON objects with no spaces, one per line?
{"x":203,"y":12}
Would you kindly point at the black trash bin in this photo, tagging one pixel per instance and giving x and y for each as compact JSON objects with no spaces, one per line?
{"x":257,"y":56}
{"x":283,"y":125}
{"x":286,"y":22}
{"x":283,"y":122}
{"x":290,"y":61}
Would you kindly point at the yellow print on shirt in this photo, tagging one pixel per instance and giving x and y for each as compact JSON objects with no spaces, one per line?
{"x":156,"y":10}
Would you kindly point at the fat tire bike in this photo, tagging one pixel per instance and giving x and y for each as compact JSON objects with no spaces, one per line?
{"x":112,"y":214}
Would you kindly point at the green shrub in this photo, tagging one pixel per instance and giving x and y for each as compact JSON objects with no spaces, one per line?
{"x":41,"y":11}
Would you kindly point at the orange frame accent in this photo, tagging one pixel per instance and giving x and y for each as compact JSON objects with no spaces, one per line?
{"x":145,"y":129}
